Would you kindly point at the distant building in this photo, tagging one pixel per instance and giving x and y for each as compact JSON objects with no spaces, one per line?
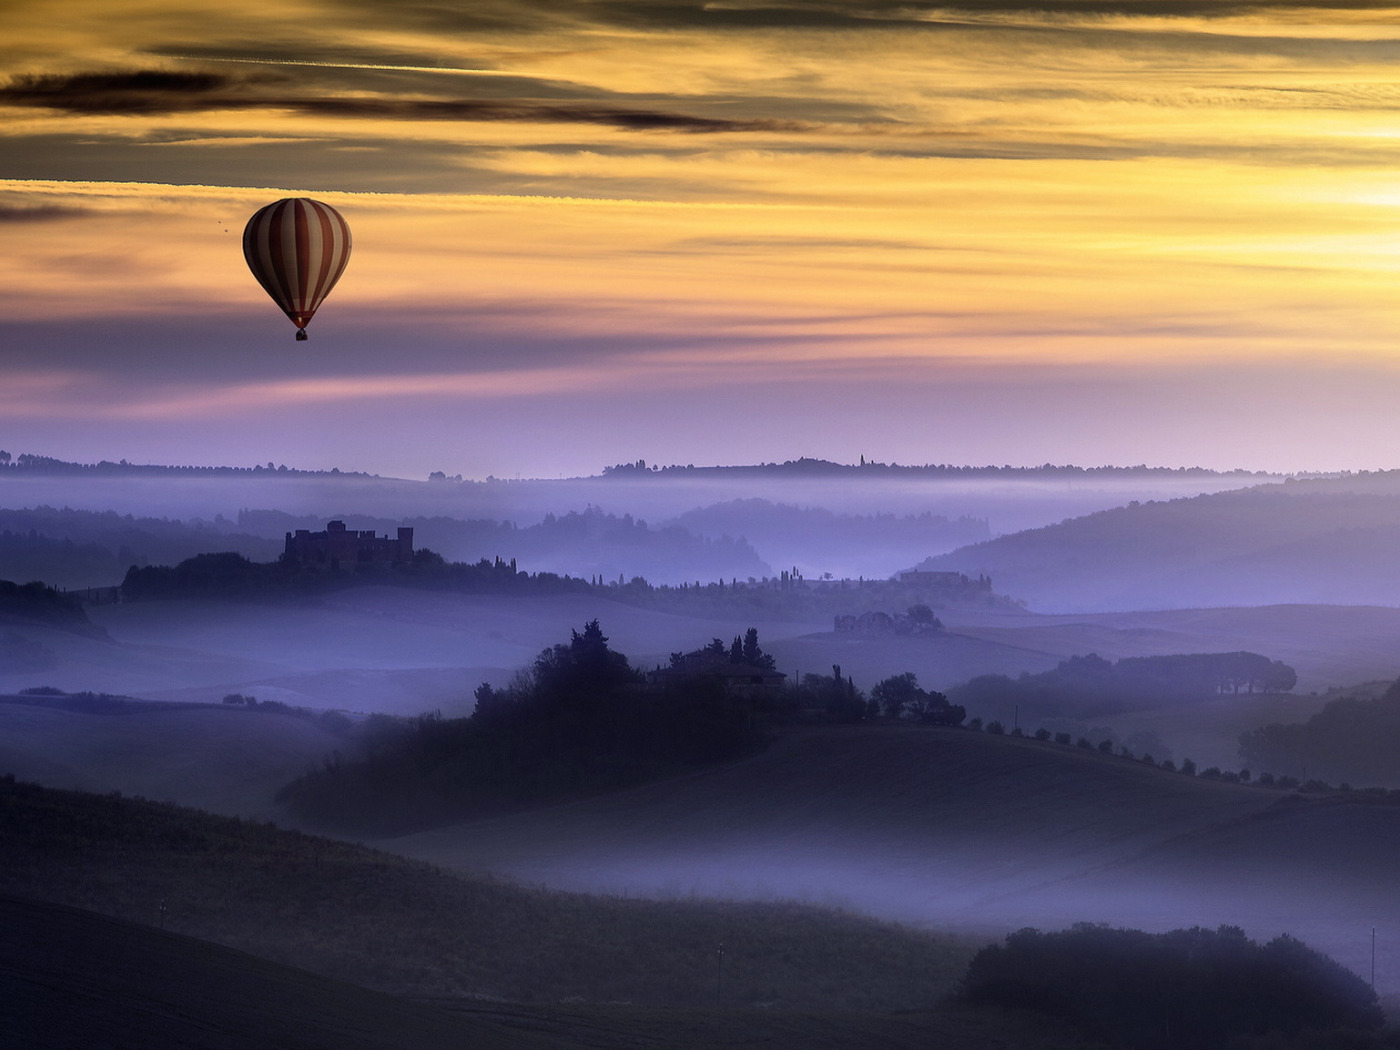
{"x":342,"y":548}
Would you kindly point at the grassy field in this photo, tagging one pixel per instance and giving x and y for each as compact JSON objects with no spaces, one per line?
{"x":957,"y":830}
{"x":70,"y":977}
{"x":962,"y":836}
{"x":406,"y":927}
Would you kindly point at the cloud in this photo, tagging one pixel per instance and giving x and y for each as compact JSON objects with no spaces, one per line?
{"x":40,"y":213}
{"x":156,"y":91}
{"x":552,"y":15}
{"x":142,"y":91}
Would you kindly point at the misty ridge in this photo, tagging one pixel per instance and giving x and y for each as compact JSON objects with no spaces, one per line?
{"x":817,"y":517}
{"x":1331,"y":541}
{"x":642,"y":689}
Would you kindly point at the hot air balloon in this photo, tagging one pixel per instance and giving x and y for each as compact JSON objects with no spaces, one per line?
{"x":297,"y":249}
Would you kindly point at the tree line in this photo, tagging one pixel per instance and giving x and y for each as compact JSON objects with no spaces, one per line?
{"x":1090,"y":685}
{"x":1350,"y":741}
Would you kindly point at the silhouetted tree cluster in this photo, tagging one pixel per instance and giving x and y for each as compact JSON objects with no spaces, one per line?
{"x":80,"y":548}
{"x":228,"y":574}
{"x":1186,"y":988}
{"x":37,"y":603}
{"x":901,"y":697}
{"x":27,"y":463}
{"x":1349,"y":740}
{"x":714,"y":655}
{"x":579,"y":720}
{"x":832,"y":698}
{"x":223,"y":573}
{"x":1090,"y":685}
{"x":809,"y":467}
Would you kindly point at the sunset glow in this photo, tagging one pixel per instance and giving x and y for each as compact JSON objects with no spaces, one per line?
{"x":710,"y":233}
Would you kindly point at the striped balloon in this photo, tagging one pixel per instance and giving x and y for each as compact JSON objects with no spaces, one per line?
{"x":297,"y":249}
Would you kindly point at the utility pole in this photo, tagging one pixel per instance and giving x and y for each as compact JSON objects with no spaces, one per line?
{"x":1373,"y":958}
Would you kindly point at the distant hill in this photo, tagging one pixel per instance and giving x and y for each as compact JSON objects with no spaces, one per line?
{"x":808,"y":467}
{"x":27,"y":463}
{"x":1318,"y":542}
{"x":813,"y":538}
{"x":855,"y":519}
{"x":583,"y":544}
{"x":71,"y":548}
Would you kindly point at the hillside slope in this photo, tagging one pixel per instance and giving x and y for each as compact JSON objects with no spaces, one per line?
{"x":1301,"y":542}
{"x":951,"y":828}
{"x":70,"y":978}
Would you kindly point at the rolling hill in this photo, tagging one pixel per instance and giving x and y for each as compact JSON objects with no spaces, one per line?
{"x":1305,"y":542}
{"x":948,"y":830}
{"x":74,"y":978}
{"x":952,"y":829}
{"x":70,"y":977}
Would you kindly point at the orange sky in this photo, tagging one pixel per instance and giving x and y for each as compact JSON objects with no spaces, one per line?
{"x":1108,"y":232}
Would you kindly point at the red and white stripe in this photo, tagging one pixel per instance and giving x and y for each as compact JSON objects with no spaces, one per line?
{"x":297,"y":249}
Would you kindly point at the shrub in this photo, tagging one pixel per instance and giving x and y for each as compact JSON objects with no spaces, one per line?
{"x":1083,"y":742}
{"x":1042,"y":735}
{"x":996,"y":728}
{"x":975,"y":725}
{"x":1106,"y":746}
{"x":1188,"y":768}
{"x":1185,"y":988}
{"x":1063,"y":738}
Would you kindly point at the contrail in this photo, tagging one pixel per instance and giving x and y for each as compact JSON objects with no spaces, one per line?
{"x":350,"y":65}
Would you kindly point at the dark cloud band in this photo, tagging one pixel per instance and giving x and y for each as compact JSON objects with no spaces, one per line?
{"x":149,"y":92}
{"x":41,"y":213}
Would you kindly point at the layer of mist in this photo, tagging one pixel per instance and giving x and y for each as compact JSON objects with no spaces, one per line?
{"x":847,"y":526}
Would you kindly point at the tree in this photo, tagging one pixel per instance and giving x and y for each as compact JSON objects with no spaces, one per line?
{"x":1280,"y":678}
{"x":584,"y":668}
{"x":898,"y":692}
{"x":836,"y":697}
{"x":753,"y":654}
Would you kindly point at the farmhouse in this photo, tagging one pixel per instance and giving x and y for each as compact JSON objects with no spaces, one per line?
{"x":342,"y":548}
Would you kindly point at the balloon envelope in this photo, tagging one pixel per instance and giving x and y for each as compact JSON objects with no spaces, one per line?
{"x":297,"y":249}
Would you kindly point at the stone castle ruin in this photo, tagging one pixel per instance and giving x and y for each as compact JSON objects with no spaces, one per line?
{"x":342,"y":548}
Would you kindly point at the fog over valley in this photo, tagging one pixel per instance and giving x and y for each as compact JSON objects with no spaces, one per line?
{"x":1167,"y":700}
{"x":763,"y":524}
